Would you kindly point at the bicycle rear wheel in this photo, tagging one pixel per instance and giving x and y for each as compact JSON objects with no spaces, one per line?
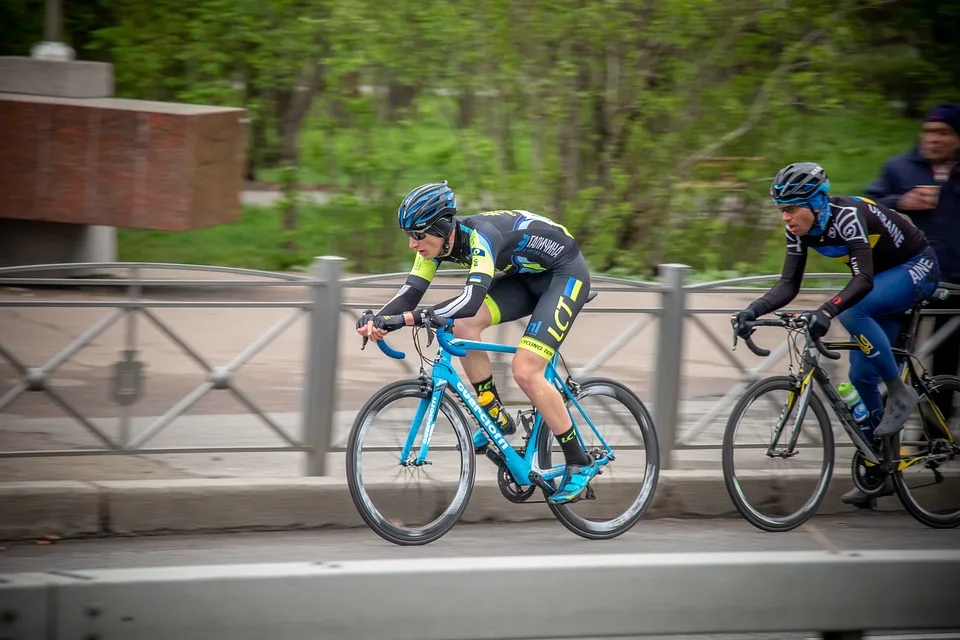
{"x":604,"y":517}
{"x":425,"y":518}
{"x":777,"y":516}
{"x":928,"y":478}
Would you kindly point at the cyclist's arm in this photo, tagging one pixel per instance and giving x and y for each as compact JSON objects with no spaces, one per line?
{"x":852,"y":228}
{"x":410,"y":294}
{"x":788,"y":286}
{"x":483,"y":247}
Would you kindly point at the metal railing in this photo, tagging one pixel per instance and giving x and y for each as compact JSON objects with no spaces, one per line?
{"x":674,"y":319}
{"x":325,"y":300}
{"x":835,"y":596}
{"x":319,"y":307}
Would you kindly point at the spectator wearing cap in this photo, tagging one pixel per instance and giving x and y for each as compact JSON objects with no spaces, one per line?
{"x":924,"y":184}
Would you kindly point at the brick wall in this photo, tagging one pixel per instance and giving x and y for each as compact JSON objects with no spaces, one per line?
{"x":124,"y":163}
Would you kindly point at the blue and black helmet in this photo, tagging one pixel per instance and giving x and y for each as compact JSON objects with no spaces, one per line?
{"x":803,"y":183}
{"x":799,"y":183}
{"x":429,"y":208}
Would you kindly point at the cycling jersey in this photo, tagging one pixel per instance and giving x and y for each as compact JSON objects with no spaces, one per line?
{"x":869,"y":237}
{"x":521,"y":264}
{"x":514,"y":241}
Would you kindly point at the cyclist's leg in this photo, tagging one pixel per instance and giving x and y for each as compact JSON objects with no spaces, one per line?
{"x":864,"y":375}
{"x":550,"y":323}
{"x":918,"y":277}
{"x":507,"y":294}
{"x":476,"y":364}
{"x":894,"y":291}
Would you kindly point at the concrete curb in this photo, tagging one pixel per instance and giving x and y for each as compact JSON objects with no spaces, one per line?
{"x":151,"y":507}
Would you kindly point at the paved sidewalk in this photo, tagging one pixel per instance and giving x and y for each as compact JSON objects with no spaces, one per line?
{"x":273,"y":379}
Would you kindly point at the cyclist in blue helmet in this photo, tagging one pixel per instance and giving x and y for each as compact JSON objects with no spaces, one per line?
{"x":520,"y":264}
{"x":893,"y":268}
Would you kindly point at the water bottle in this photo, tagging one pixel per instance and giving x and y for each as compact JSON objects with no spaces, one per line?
{"x":849,"y":395}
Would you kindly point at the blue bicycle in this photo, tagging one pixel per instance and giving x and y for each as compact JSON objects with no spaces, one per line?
{"x":520,"y":470}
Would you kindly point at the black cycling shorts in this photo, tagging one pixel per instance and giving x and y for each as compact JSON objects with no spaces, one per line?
{"x":551,"y":299}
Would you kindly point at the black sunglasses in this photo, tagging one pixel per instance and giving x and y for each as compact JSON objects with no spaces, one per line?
{"x":420,"y":235}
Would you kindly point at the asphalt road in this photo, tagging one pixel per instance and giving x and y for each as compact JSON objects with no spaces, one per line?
{"x":858,"y":531}
{"x":868,"y":531}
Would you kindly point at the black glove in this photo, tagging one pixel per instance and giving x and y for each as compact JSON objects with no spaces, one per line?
{"x":740,"y":319}
{"x":389,"y":323}
{"x":365,"y":318}
{"x":818,"y":322}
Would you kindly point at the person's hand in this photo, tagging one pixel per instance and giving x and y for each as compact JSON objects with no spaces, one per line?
{"x":382,"y":325}
{"x":739,"y":321}
{"x":366,"y":326}
{"x":918,"y":199}
{"x":818,"y":322}
{"x":363,"y":324}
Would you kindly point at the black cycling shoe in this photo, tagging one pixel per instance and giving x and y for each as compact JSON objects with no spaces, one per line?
{"x":862,"y":500}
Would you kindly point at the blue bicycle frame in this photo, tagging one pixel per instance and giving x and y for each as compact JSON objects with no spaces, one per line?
{"x":444,"y":375}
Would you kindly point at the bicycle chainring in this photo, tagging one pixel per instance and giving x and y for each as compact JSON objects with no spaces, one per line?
{"x":510,"y":489}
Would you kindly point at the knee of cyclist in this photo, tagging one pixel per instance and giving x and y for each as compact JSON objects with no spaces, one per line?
{"x":527,"y":373}
{"x":849,"y":318}
{"x":467,"y":329}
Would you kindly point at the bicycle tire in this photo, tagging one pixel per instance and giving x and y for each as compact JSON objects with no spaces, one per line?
{"x":921,"y":515}
{"x":623,"y":523}
{"x":749,"y":513}
{"x":432,"y":531}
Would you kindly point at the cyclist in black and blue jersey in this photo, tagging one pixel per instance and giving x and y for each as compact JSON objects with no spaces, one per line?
{"x":520,"y":264}
{"x":893,"y":268}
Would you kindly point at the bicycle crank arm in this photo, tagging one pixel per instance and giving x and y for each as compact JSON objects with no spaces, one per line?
{"x":538,"y":480}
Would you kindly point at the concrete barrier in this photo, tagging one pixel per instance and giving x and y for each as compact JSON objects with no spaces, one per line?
{"x":33,"y":509}
{"x":79,"y":509}
{"x":157,"y":506}
{"x":834,"y":595}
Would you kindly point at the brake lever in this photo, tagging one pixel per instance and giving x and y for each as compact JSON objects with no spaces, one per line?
{"x":366,"y":339}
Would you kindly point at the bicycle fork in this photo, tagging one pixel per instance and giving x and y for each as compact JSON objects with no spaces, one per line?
{"x":425,"y":413}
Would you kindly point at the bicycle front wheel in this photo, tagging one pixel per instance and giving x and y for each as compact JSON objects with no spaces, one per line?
{"x":927,"y":479}
{"x":773,"y":506}
{"x":626,"y":487}
{"x":395,"y":418}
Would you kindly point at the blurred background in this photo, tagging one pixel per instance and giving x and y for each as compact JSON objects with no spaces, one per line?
{"x":650,"y":128}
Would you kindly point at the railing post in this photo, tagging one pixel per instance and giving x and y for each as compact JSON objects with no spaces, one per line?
{"x":323,"y":340}
{"x":666,"y":381}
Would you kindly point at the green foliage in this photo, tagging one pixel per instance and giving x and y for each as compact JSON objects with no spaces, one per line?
{"x":609,"y":116}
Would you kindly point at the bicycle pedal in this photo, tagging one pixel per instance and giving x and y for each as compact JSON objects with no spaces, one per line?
{"x":589,"y":493}
{"x":538,"y":480}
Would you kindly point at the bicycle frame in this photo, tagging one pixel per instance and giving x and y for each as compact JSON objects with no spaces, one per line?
{"x":522,"y":468}
{"x":811,"y":371}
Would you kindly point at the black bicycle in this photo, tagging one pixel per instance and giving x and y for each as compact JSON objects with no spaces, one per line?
{"x":925,"y":444}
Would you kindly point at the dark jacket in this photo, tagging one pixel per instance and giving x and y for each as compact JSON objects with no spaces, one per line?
{"x":941,"y":225}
